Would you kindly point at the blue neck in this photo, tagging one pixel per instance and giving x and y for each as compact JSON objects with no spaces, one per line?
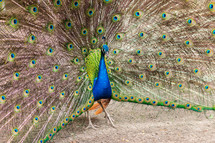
{"x":102,"y":88}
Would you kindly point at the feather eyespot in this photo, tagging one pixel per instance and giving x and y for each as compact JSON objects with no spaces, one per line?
{"x":166,"y":103}
{"x":188,"y":43}
{"x":62,"y":95}
{"x":161,"y":54}
{"x":180,"y":86}
{"x":107,"y":1}
{"x":89,"y":87}
{"x":115,"y":51}
{"x":11,"y":57}
{"x":188,"y":106}
{"x":56,"y":68}
{"x":57,"y":3}
{"x":50,"y":51}
{"x":209,"y":52}
{"x":15,"y":131}
{"x":142,"y":76}
{"x":165,"y":37}
{"x":2,"y":99}
{"x":191,"y":22}
{"x":17,"y":108}
{"x":90,"y":12}
{"x":70,"y":46}
{"x":112,"y":84}
{"x":118,"y":69}
{"x":65,"y":76}
{"x":119,"y":36}
{"x":36,"y":120}
{"x":138,"y":14}
{"x":76,"y":93}
{"x":165,"y":16}
{"x":131,"y":98}
{"x":211,"y":6}
{"x":141,"y":35}
{"x":73,"y":116}
{"x":154,"y":102}
{"x":14,"y":22}
{"x":76,"y":60}
{"x":68,"y":24}
{"x":116,"y":17}
{"x":40,"y":103}
{"x":53,"y":108}
{"x":32,"y":63}
{"x":38,"y":78}
{"x":147,"y":99}
{"x":16,"y":76}
{"x":173,"y":105}
{"x":50,"y":27}
{"x":130,"y":61}
{"x":84,"y":50}
{"x":139,"y":100}
{"x":75,"y":3}
{"x":84,"y":31}
{"x":152,"y":67}
{"x":51,"y":88}
{"x":157,"y":84}
{"x":33,"y":9}
{"x":100,"y":30}
{"x":31,"y":38}
{"x":26,"y":92}
{"x":110,"y":62}
{"x":93,"y":40}
{"x":179,"y":61}
{"x":54,"y":130}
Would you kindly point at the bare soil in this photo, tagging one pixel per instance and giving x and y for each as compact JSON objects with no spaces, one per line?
{"x":141,"y":124}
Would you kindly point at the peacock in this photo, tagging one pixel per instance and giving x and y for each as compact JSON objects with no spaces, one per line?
{"x":62,"y":58}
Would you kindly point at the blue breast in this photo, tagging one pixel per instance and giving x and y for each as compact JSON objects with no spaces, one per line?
{"x":102,"y":88}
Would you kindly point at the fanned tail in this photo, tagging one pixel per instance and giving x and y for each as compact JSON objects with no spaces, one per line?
{"x":162,"y":54}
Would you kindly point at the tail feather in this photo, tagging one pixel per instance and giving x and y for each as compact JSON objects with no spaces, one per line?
{"x":161,"y":53}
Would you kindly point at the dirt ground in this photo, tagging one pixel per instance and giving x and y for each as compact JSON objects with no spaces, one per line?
{"x":141,"y":124}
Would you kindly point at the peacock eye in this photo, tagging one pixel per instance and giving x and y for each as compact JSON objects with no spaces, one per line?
{"x":57,"y":3}
{"x":116,"y":17}
{"x":32,"y":9}
{"x":141,"y":35}
{"x":191,"y":22}
{"x":119,"y":36}
{"x":165,"y":16}
{"x":14,"y":22}
{"x":107,"y":1}
{"x":50,"y":27}
{"x":84,"y":31}
{"x":56,"y":68}
{"x":68,"y":24}
{"x":90,"y":12}
{"x":11,"y":57}
{"x":100,"y":30}
{"x":138,"y":14}
{"x":31,"y":38}
{"x":211,"y":6}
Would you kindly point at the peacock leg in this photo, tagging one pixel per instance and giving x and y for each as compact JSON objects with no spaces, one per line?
{"x":90,"y":125}
{"x":107,"y":115}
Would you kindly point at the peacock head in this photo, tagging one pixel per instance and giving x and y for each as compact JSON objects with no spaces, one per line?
{"x":105,"y":48}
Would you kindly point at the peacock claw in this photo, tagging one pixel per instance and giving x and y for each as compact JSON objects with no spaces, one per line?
{"x":110,"y":120}
{"x":90,"y":125}
{"x":107,"y":116}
